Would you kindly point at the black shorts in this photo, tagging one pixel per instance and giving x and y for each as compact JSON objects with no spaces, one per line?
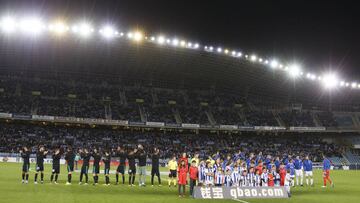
{"x":39,"y":167}
{"x":132,"y":171}
{"x":70,"y":168}
{"x":172,"y":174}
{"x":155,"y":171}
{"x":107,"y":171}
{"x":96,"y":169}
{"x":84,"y":169}
{"x":26,"y":168}
{"x":56,"y":169}
{"x":121,"y":169}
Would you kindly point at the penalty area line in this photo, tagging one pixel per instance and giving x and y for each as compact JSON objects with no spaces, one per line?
{"x":239,"y":200}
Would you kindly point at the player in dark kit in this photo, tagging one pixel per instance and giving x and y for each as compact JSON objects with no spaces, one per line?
{"x":121,"y":168}
{"x":40,"y":155}
{"x":85,"y":156}
{"x":96,"y":166}
{"x":70,"y":158}
{"x":25,"y":155}
{"x":56,"y":165}
{"x":107,"y":161}
{"x":132,"y":167}
{"x":155,"y":166}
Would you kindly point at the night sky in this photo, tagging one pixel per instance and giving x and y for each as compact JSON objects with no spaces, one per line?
{"x":320,"y":35}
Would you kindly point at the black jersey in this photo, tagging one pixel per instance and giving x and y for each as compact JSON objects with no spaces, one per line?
{"x":25,"y":155}
{"x":70,"y":157}
{"x":56,"y":159}
{"x":86,"y":158}
{"x":122,"y":158}
{"x":131,"y":159}
{"x":40,"y":158}
{"x":155,"y":160}
{"x":141,"y":155}
{"x":107,"y":160}
{"x":97,"y":158}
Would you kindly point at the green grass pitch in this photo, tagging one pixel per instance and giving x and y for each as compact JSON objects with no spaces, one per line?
{"x":347,"y":190}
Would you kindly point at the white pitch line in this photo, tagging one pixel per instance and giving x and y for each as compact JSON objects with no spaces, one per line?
{"x":239,"y":200}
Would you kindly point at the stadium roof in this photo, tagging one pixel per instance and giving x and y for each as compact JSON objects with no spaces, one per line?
{"x":158,"y":59}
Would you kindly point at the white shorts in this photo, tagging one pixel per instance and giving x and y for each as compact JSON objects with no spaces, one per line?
{"x":308,"y":173}
{"x":299,"y":173}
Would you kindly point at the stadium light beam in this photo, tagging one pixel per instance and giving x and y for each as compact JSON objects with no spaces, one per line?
{"x":8,"y":24}
{"x":84,"y":29}
{"x":330,"y":81}
{"x":58,"y":28}
{"x":33,"y":26}
{"x":274,"y":64}
{"x":107,"y":32}
{"x":294,"y":70}
{"x":161,"y":39}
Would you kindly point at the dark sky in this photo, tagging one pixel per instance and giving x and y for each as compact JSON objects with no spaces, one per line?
{"x":321,"y":35}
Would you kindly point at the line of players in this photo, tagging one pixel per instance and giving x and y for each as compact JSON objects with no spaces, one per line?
{"x":241,"y":172}
{"x":131,"y":156}
{"x":234,"y":170}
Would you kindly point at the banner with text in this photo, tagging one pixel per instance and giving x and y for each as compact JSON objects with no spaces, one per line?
{"x":239,"y":192}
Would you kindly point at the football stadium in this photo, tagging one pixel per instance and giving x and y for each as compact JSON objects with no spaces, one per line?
{"x":98,"y":112}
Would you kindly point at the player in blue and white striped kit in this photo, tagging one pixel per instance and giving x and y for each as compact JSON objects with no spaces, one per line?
{"x":299,"y":171}
{"x":257,"y":178}
{"x":219,"y":177}
{"x":264,"y":177}
{"x":244,"y":179}
{"x":209,"y":174}
{"x":251,"y":177}
{"x":201,"y":173}
{"x":235,"y":177}
{"x":308,"y":168}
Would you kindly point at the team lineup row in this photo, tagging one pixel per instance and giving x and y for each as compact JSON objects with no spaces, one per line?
{"x":236,"y":170}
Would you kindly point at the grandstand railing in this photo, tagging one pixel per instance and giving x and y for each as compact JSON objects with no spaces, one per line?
{"x":92,"y":121}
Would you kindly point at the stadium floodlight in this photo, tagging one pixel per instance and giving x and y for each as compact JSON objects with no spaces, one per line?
{"x":294,"y":70}
{"x":8,"y":24}
{"x":353,"y":85}
{"x":32,"y":25}
{"x":175,"y":42}
{"x":219,"y":49}
{"x":182,"y":43}
{"x":83,"y":29}
{"x":161,"y":39}
{"x":138,"y":36}
{"x":330,"y":81}
{"x":58,"y":28}
{"x":274,"y":64}
{"x":107,"y":32}
{"x":253,"y":58}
